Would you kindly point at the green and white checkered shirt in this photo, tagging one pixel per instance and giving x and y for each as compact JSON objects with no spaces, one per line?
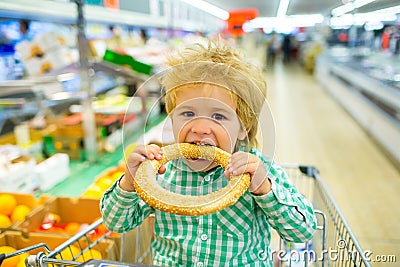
{"x":236,"y":236}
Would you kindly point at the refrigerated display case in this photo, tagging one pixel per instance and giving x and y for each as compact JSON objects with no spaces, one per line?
{"x":367,"y":85}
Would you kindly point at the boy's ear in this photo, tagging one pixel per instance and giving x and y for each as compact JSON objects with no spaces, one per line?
{"x":242,"y":134}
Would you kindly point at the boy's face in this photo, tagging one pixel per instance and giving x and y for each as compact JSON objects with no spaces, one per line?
{"x":206,"y":114}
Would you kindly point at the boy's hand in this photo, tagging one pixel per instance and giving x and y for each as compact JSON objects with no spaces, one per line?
{"x":242,"y":162}
{"x":138,"y":155}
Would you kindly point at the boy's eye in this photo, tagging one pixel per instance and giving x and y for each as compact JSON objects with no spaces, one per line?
{"x":218,"y":117}
{"x":188,"y":113}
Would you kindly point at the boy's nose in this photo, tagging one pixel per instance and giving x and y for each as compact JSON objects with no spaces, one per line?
{"x":201,"y":126}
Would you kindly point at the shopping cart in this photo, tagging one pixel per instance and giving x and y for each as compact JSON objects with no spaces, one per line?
{"x":333,"y":244}
{"x":85,"y":245}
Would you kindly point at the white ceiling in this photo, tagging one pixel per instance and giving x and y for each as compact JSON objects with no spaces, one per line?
{"x":268,"y":8}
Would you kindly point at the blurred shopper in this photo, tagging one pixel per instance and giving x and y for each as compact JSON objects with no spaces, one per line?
{"x":273,"y":48}
{"x":24,"y":30}
{"x":286,"y":48}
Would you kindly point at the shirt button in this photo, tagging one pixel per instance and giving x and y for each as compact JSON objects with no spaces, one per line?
{"x":207,"y":178}
{"x":204,"y":237}
{"x":200,"y":264}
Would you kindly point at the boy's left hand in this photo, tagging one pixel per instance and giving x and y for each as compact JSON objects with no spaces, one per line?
{"x":242,"y":162}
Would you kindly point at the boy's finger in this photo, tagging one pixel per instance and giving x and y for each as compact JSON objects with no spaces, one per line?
{"x":140,"y":149}
{"x":244,"y":168}
{"x":162,"y":169}
{"x":153,"y":152}
{"x":135,"y":158}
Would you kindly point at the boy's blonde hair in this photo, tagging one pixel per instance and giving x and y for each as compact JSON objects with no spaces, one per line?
{"x":221,"y":65}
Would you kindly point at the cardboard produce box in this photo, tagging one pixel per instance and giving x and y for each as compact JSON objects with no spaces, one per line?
{"x":35,"y":204}
{"x":67,"y":210}
{"x":86,"y":211}
{"x":61,"y":246}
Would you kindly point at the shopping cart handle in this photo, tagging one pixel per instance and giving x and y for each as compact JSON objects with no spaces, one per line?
{"x":108,"y":263}
{"x":2,"y":257}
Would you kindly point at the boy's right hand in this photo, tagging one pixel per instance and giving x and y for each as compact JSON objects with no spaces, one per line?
{"x":138,"y":155}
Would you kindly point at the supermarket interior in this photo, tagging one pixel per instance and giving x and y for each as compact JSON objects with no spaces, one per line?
{"x":80,"y":89}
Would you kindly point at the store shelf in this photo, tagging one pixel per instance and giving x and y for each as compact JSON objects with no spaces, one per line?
{"x":66,"y":12}
{"x":83,"y":173}
{"x":373,"y":103}
{"x":47,"y":95}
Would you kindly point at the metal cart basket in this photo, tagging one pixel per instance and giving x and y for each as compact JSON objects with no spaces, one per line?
{"x":333,"y":244}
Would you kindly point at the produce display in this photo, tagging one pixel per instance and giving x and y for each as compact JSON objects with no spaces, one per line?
{"x":52,"y":224}
{"x":80,"y":251}
{"x":46,"y":52}
{"x":103,"y":182}
{"x":17,"y":261}
{"x":14,"y":208}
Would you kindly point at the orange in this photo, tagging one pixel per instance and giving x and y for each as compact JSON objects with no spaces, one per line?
{"x":89,"y":254}
{"x":22,"y":258}
{"x":7,"y":204}
{"x":10,"y":262}
{"x":69,"y":253}
{"x":4,"y":221}
{"x":72,"y":228}
{"x":19,"y":213}
{"x":52,"y":218}
{"x":95,"y":187}
{"x":116,"y":175}
{"x":21,"y":263}
{"x":104,"y":182}
{"x":92,"y":194}
{"x":93,"y":191}
{"x":101,"y":229}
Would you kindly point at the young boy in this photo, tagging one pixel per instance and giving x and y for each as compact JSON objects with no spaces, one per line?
{"x":213,"y":97}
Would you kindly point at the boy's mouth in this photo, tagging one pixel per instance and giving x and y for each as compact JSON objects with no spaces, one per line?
{"x":203,"y":142}
{"x":200,"y":143}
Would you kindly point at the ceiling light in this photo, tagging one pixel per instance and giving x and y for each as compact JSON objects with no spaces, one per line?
{"x":209,"y":8}
{"x":373,"y":26}
{"x":292,"y":21}
{"x":350,"y":7}
{"x":284,"y":29}
{"x":342,"y":22}
{"x":360,"y":19}
{"x":391,"y":10}
{"x":283,"y":7}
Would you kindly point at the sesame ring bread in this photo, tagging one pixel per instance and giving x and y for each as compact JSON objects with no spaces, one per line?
{"x":159,"y":198}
